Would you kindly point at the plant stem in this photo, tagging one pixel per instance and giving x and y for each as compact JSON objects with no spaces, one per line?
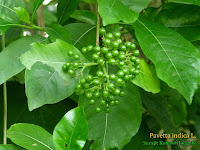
{"x":5,"y":101}
{"x":98,"y":25}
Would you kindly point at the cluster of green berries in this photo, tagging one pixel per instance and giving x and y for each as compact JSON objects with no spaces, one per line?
{"x":70,"y":68}
{"x":104,"y":89}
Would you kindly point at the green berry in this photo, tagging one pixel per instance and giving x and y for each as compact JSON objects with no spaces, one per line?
{"x":84,"y":50}
{"x":70,"y":53}
{"x":76,"y":57}
{"x":121,"y":57}
{"x":120,"y":73}
{"x":137,"y":61}
{"x":95,"y":56}
{"x":122,"y":47}
{"x":97,"y":94}
{"x":88,"y":95}
{"x":117,"y":91}
{"x":76,"y":64}
{"x":109,"y":36}
{"x":115,"y":44}
{"x":122,"y":93}
{"x":89,"y":78}
{"x":136,"y":53}
{"x":126,"y":71}
{"x":103,"y":102}
{"x":107,"y":42}
{"x":111,"y":98}
{"x":82,"y":80}
{"x":116,"y":102}
{"x":98,"y":109}
{"x":119,"y":41}
{"x":100,"y":61}
{"x":117,"y":35}
{"x":97,"y":48}
{"x":112,"y":77}
{"x":90,"y":47}
{"x":137,"y":67}
{"x":78,"y":86}
{"x":105,"y":93}
{"x":71,"y":72}
{"x":96,"y":81}
{"x":132,"y":70}
{"x":104,"y":50}
{"x":108,"y":55}
{"x":112,"y":61}
{"x":119,"y":81}
{"x":102,"y":31}
{"x":128,"y":44}
{"x":86,"y":85}
{"x":121,"y":63}
{"x":111,"y":85}
{"x":112,"y":103}
{"x":65,"y":67}
{"x":107,"y":110}
{"x":126,"y":77}
{"x":100,"y":73}
{"x":133,"y":46}
{"x":115,"y":52}
{"x":92,"y":101}
{"x":136,"y":72}
{"x":133,"y":58}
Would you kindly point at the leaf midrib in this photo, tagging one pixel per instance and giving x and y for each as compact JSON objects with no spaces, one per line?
{"x":33,"y":139}
{"x":165,"y":53}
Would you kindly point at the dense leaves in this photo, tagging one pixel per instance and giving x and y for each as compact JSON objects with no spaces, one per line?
{"x":111,"y":12}
{"x":178,"y":17}
{"x":30,"y":136}
{"x":123,"y":121}
{"x":10,"y":63}
{"x":72,"y":130}
{"x":176,"y":60}
{"x":195,"y":2}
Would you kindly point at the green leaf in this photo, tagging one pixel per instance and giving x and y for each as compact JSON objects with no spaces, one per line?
{"x":71,"y":131}
{"x":56,"y":31}
{"x":147,"y":79}
{"x":82,"y":35}
{"x":6,"y":10}
{"x":176,"y":60}
{"x":22,"y":14}
{"x":85,"y":16}
{"x":54,"y":55}
{"x":178,"y":17}
{"x":113,"y":11}
{"x":195,"y":2}
{"x":10,"y":147}
{"x":45,"y":86}
{"x":65,"y":9}
{"x":47,"y":116}
{"x":136,"y":5}
{"x":36,"y":5}
{"x":137,"y":141}
{"x":10,"y":63}
{"x":3,"y":26}
{"x":176,"y":104}
{"x":115,"y":129}
{"x":158,"y":108}
{"x":30,"y":136}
